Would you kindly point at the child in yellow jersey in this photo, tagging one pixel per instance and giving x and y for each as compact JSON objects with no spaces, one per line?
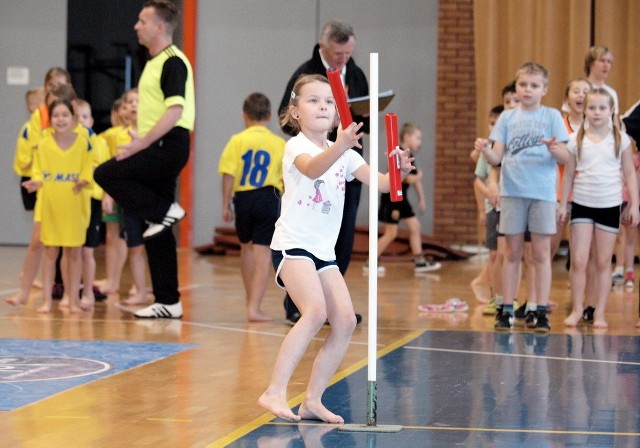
{"x":134,"y":227}
{"x":62,"y":169}
{"x":115,"y":246}
{"x":24,"y":159}
{"x":251,"y":169}
{"x":99,"y":155}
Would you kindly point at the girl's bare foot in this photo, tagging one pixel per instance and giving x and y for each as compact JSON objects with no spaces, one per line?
{"x":18,"y":299}
{"x":87,"y":303}
{"x":600,"y":324}
{"x":317,"y":411}
{"x":638,"y":324}
{"x":573,"y":319}
{"x":105,"y":288}
{"x":75,"y":309}
{"x":136,"y":300}
{"x":481,"y":291}
{"x":44,"y":308}
{"x":599,"y":321}
{"x":64,"y":302}
{"x":278,"y":406}
{"x":258,"y":316}
{"x":37,"y":284}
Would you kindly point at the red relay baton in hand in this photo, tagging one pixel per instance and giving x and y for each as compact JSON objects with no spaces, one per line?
{"x":395,"y":177}
{"x":341,"y":98}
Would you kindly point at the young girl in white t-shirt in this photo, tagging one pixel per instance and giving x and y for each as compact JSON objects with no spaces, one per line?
{"x":597,"y":153}
{"x":315,"y":173}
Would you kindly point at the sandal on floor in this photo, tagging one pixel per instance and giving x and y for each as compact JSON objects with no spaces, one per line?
{"x":459,"y":306}
{"x":437,"y":308}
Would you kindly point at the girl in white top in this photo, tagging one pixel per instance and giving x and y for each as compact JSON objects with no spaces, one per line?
{"x":315,"y":173}
{"x":597,"y":153}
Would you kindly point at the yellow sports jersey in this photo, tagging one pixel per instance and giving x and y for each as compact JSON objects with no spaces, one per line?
{"x":64,"y":215}
{"x":111,"y":136}
{"x":23,"y":158}
{"x":254,"y":159}
{"x":99,"y":155}
{"x":167,"y":80}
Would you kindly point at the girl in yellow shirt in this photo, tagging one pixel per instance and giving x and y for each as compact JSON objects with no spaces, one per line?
{"x":62,"y":169}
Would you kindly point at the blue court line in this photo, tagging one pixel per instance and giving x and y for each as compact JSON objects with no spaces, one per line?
{"x":31,"y":370}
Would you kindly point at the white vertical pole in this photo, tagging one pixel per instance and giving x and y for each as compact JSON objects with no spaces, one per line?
{"x":372,"y":399}
{"x":373,"y":239}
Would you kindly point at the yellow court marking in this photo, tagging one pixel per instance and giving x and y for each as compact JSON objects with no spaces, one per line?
{"x":267,"y":417}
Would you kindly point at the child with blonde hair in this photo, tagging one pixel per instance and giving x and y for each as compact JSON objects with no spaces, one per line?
{"x":597,"y":153}
{"x":304,"y":240}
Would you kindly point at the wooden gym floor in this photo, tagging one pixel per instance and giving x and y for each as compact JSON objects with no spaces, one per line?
{"x":105,"y":379}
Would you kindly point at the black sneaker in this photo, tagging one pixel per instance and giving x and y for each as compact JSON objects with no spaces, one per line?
{"x":530,"y":319}
{"x":504,"y":322}
{"x":292,"y":319}
{"x":499,"y":309}
{"x":587,"y":314}
{"x":99,"y":295}
{"x":542,"y":323}
{"x":521,"y":312}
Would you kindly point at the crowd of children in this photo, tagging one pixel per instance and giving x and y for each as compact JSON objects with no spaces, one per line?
{"x":580,"y":163}
{"x":56,"y":153}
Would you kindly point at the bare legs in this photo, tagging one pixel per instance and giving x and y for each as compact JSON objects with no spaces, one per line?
{"x":318,"y":296}
{"x":255,"y":267}
{"x":581,"y":238}
{"x":389,"y":235}
{"x":73,"y":266}
{"x":137,"y":263}
{"x":88,"y":299}
{"x":115,"y":258}
{"x":29,"y":268}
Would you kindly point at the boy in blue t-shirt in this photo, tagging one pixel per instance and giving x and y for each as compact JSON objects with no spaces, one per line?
{"x":528,"y":142}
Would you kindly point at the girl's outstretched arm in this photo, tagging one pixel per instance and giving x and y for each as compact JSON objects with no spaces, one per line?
{"x":406,"y":165}
{"x":314,"y":167}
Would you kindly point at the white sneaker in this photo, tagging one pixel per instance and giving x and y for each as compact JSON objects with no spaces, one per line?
{"x":381,"y":269}
{"x":160,"y":311}
{"x":174,"y":214}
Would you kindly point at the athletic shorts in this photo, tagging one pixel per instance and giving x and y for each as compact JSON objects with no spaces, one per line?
{"x":256,"y":214}
{"x":392,"y":212}
{"x":518,"y":215}
{"x":606,"y":219}
{"x":278,"y":257}
{"x":28,"y":199}
{"x":132,"y":229}
{"x":94,"y":231}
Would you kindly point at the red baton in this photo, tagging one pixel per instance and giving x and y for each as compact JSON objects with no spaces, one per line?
{"x":341,"y":98}
{"x":395,"y":177}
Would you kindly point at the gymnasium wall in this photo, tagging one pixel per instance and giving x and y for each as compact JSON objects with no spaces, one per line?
{"x":242,"y":47}
{"x":258,"y":46}
{"x":32,"y":37}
